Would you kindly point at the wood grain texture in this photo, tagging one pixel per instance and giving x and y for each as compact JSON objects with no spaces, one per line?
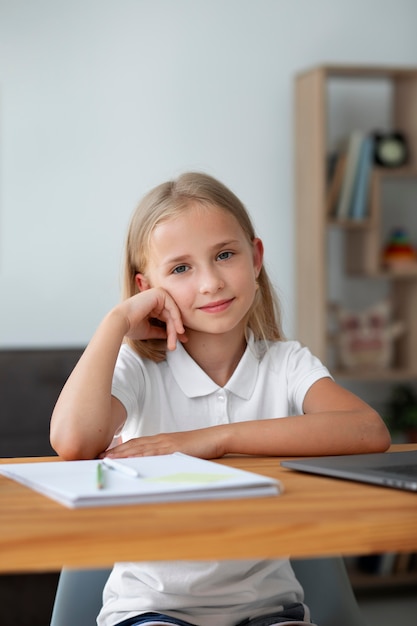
{"x":314,"y":516}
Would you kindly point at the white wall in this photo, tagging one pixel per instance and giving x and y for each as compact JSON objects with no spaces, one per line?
{"x":102,"y":99}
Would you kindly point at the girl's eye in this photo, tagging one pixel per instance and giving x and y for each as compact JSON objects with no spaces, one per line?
{"x":180,"y":269}
{"x":225,"y":255}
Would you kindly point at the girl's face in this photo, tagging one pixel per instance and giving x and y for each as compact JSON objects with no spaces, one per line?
{"x":203,"y":259}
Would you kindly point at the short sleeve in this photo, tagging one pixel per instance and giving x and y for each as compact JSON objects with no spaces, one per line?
{"x":128,"y":380}
{"x":303,"y":370}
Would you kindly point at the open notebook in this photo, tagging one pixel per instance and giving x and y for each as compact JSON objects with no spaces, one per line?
{"x":166,"y":478}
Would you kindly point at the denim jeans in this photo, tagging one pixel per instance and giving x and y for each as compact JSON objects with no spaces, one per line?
{"x":291,"y":614}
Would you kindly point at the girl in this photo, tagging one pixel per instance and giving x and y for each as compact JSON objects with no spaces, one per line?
{"x":193,"y":360}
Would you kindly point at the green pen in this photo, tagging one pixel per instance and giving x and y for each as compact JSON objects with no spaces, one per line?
{"x":100,"y":476}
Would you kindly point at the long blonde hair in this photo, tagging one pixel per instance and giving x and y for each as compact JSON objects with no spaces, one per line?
{"x":168,"y":200}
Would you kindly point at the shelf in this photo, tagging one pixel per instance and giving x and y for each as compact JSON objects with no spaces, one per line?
{"x":388,"y":274}
{"x":396,"y":172}
{"x":389,"y":374}
{"x":350,"y":224}
{"x":362,"y":582}
{"x":364,"y":71}
{"x":326,"y":260}
{"x":356,"y":249}
{"x":390,"y":571}
{"x":369,"y":71}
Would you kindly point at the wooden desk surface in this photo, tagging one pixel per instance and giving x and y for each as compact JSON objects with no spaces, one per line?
{"x":315,"y":516}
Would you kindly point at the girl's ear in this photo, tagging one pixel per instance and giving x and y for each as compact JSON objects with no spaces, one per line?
{"x":258,"y":255}
{"x":142,"y":282}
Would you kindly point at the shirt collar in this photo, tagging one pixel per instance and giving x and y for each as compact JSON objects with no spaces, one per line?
{"x":194,"y":382}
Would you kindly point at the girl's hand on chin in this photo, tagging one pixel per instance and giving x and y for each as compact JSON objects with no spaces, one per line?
{"x":144,"y":310}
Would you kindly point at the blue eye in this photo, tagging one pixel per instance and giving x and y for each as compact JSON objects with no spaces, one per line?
{"x":225,"y":255}
{"x":180,"y":269}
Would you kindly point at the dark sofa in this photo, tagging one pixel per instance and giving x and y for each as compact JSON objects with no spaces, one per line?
{"x":30,"y":383}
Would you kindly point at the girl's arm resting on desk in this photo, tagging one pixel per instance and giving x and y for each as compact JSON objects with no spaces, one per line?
{"x":335,"y":421}
{"x":86,"y":416}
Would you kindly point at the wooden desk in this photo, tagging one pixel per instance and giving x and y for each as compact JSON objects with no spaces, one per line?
{"x":315,"y":516}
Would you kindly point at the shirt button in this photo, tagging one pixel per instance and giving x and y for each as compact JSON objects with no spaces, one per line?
{"x":220,"y":397}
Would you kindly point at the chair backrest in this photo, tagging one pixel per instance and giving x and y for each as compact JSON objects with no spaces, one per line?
{"x":78,"y":597}
{"x":327,"y":588}
{"x":328,"y":592}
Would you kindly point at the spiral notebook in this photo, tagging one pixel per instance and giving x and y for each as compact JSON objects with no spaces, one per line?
{"x":166,"y":478}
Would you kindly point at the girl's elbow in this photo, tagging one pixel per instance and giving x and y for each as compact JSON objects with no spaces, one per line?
{"x":379,"y":437}
{"x":385,"y":440}
{"x":70,"y":447}
{"x":65,"y":449}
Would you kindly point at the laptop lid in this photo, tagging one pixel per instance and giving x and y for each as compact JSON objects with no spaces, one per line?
{"x":389,"y":469}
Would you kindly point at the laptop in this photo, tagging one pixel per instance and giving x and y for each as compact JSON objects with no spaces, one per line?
{"x":389,"y":469}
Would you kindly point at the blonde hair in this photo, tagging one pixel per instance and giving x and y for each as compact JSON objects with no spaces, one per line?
{"x":168,"y":200}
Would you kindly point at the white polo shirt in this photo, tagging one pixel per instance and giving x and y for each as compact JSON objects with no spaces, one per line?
{"x":270,"y":381}
{"x":175,"y":395}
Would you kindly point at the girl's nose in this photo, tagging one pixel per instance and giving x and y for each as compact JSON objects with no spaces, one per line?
{"x":211,"y":282}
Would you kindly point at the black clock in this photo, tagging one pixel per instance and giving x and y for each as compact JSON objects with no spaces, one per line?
{"x":390,"y":149}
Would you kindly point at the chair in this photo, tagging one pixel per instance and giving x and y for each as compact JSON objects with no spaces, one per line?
{"x":327,"y":588}
{"x":78,"y":597}
{"x":328,"y":592}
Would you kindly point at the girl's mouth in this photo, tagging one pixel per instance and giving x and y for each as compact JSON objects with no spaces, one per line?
{"x":216,"y":307}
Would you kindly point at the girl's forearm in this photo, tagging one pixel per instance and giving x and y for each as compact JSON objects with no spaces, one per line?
{"x":83,"y":423}
{"x":336,"y":432}
{"x":335,"y":421}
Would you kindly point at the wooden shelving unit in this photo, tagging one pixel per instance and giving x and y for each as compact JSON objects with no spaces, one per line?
{"x":362,"y":240}
{"x":365,"y":582}
{"x":392,"y":579}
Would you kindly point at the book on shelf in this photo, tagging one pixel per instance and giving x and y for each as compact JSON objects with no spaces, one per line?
{"x":402,"y":563}
{"x":387,"y":564}
{"x":166,"y":478}
{"x":348,"y":190}
{"x":360,"y":195}
{"x":335,"y":184}
{"x":353,"y":150}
